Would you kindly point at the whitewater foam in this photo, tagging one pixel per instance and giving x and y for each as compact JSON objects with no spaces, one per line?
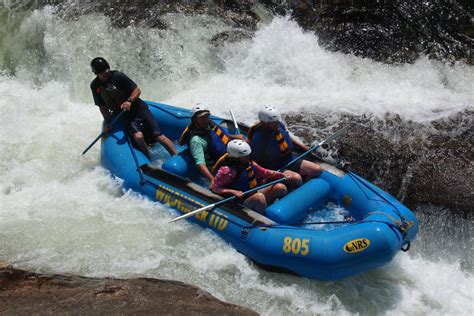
{"x":61,"y":212}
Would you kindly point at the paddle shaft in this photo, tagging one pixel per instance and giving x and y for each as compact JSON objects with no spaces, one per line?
{"x":330,"y":138}
{"x":227,"y":200}
{"x":103,"y":133}
{"x":237,"y":130}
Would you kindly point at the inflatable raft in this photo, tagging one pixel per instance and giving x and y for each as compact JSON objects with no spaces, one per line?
{"x":374,"y":228}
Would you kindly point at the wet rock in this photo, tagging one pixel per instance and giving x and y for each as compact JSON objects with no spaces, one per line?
{"x":147,"y":13}
{"x":230,"y":37}
{"x":417,"y":163}
{"x":23,"y":292}
{"x":388,"y":31}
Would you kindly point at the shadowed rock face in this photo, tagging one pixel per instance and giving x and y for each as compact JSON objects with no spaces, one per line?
{"x":147,"y":13}
{"x":387,"y":30}
{"x":417,"y":163}
{"x":23,"y":292}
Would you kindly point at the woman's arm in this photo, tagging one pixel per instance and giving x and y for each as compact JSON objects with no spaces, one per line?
{"x":224,"y":176}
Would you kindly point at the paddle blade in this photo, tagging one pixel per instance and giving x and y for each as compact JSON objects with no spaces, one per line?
{"x":334,"y":136}
{"x":192,"y":213}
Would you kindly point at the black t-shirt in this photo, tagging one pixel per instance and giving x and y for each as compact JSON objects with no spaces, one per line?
{"x":124,"y":85}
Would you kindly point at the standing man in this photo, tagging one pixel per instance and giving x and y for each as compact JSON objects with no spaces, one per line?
{"x":113,"y":92}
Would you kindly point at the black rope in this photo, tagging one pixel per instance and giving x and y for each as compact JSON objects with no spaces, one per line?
{"x":392,"y":226}
{"x":247,"y":228}
{"x":356,"y":181}
{"x":396,"y":210}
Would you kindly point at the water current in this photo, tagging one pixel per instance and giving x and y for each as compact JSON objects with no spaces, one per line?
{"x":61,"y":212}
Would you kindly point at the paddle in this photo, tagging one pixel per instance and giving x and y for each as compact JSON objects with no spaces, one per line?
{"x":237,"y":130}
{"x":226,"y":200}
{"x":103,"y":133}
{"x":327,"y":140}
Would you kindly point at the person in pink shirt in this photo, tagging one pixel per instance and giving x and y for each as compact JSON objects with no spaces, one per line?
{"x":235,"y":173}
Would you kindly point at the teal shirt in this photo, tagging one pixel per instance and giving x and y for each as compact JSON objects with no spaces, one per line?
{"x":198,"y":146}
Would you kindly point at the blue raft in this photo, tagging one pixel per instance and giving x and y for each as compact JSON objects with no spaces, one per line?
{"x":376,"y":227}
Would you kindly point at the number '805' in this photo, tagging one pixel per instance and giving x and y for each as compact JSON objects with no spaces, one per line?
{"x":296,"y":245}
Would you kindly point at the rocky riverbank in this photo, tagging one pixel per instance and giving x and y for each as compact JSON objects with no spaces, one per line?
{"x":23,"y":292}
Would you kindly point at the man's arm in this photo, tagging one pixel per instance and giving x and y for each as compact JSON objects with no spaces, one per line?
{"x":205,"y":172}
{"x":298,"y":144}
{"x":133,"y":96}
{"x":127,"y":85}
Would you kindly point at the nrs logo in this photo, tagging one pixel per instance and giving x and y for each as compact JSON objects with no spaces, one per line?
{"x":356,"y":245}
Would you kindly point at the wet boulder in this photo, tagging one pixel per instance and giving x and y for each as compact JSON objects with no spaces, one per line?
{"x":23,"y":292}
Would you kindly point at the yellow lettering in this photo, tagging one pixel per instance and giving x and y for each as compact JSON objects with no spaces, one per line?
{"x":305,"y":247}
{"x":160,"y":195}
{"x":296,"y":246}
{"x":211,"y":219}
{"x":287,"y":244}
{"x":356,"y":245}
{"x":222,"y":224}
{"x":201,"y":216}
{"x":173,"y":201}
{"x":204,"y":215}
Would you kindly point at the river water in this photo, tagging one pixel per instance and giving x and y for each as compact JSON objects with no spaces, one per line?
{"x":61,"y":212}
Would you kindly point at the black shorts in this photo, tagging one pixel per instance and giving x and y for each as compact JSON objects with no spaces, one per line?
{"x":296,"y":166}
{"x":145,"y":123}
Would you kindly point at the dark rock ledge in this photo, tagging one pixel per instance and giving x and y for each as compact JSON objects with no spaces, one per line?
{"x":23,"y":292}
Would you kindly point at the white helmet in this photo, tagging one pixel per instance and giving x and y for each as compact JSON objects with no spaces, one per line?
{"x":269,"y":114}
{"x":199,"y":109}
{"x":238,"y":148}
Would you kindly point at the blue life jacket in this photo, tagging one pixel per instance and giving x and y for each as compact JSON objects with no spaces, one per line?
{"x":217,"y":139}
{"x":245,"y":179}
{"x":246,"y":175}
{"x":270,"y":149}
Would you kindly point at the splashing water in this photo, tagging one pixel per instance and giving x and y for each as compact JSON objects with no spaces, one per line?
{"x":62,"y":213}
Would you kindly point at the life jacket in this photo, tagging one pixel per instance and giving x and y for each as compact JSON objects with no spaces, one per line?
{"x":270,"y":149}
{"x":111,"y":96}
{"x":245,"y":178}
{"x":216,"y":137}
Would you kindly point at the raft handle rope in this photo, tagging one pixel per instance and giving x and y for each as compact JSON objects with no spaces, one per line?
{"x":404,"y":225}
{"x":406,"y":246}
{"x":245,"y":229}
{"x":391,"y":225}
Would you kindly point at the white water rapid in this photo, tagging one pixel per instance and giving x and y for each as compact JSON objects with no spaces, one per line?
{"x":61,"y":212}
